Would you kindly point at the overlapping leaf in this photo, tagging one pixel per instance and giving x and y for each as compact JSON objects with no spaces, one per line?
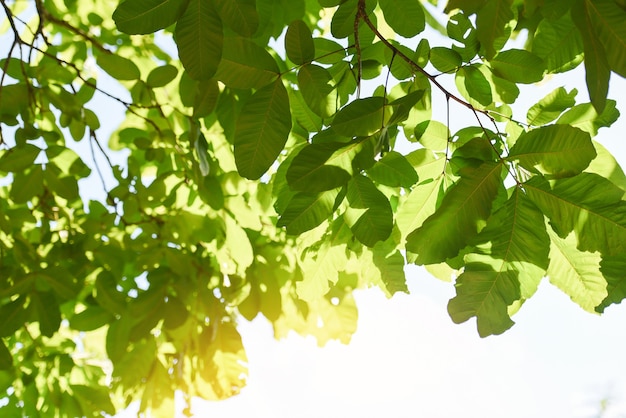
{"x":506,"y":265}
{"x":458,"y":219}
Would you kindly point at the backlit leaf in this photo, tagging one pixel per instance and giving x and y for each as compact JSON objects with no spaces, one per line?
{"x":405,"y":17}
{"x":491,"y":21}
{"x":557,"y":150}
{"x":262,"y":129}
{"x":587,"y":204}
{"x":362,"y":117}
{"x":458,"y":219}
{"x":305,"y":211}
{"x":551,"y":106}
{"x":19,"y":157}
{"x":393,"y":170}
{"x":518,"y":65}
{"x":506,"y":265}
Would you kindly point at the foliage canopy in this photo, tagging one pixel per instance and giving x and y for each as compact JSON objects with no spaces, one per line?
{"x":260,"y":178}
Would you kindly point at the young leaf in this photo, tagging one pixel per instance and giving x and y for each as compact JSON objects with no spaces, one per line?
{"x":457,"y":220}
{"x":585,"y":117}
{"x":369,"y":215}
{"x":557,"y":150}
{"x":406,"y":17}
{"x":239,"y":15}
{"x":199,"y":39}
{"x":299,"y":43}
{"x":261,"y":130}
{"x":140,"y":17}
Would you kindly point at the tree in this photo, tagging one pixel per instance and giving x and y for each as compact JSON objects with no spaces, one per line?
{"x":261,"y":179}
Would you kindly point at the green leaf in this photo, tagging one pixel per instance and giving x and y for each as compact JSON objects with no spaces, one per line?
{"x":518,"y":66}
{"x":28,"y":185}
{"x":6,"y":359}
{"x":147,"y":16}
{"x":577,"y":273}
{"x":19,"y":158}
{"x":607,"y":19}
{"x":305,"y":211}
{"x":559,"y":44}
{"x":612,"y":269}
{"x":458,"y":219}
{"x":597,"y":70}
{"x":362,"y":117}
{"x":315,"y":85}
{"x":393,"y":170}
{"x":309,"y":171}
{"x":261,"y":130}
{"x":587,"y":204}
{"x":506,"y":265}
{"x":206,"y":98}
{"x":551,"y":106}
{"x":585,"y":117}
{"x":245,"y":65}
{"x":406,"y":17}
{"x":320,"y":268}
{"x":92,"y":318}
{"x":239,"y":15}
{"x":12,"y":317}
{"x":444,"y":59}
{"x":299,"y":43}
{"x":162,"y":76}
{"x":48,"y":313}
{"x":94,"y":399}
{"x":476,"y":84}
{"x":200,"y":40}
{"x":557,"y":150}
{"x":369,"y":215}
{"x":342,"y":24}
{"x":491,"y":22}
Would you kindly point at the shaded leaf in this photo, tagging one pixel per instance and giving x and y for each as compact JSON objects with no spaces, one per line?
{"x":369,"y":215}
{"x":19,"y":157}
{"x":239,"y":15}
{"x":245,"y":65}
{"x":199,"y":39}
{"x":491,"y":21}
{"x":361,"y":117}
{"x":305,"y":211}
{"x":299,"y":43}
{"x":147,"y":16}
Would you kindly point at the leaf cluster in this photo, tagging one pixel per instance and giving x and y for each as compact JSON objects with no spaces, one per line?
{"x":273,"y":156}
